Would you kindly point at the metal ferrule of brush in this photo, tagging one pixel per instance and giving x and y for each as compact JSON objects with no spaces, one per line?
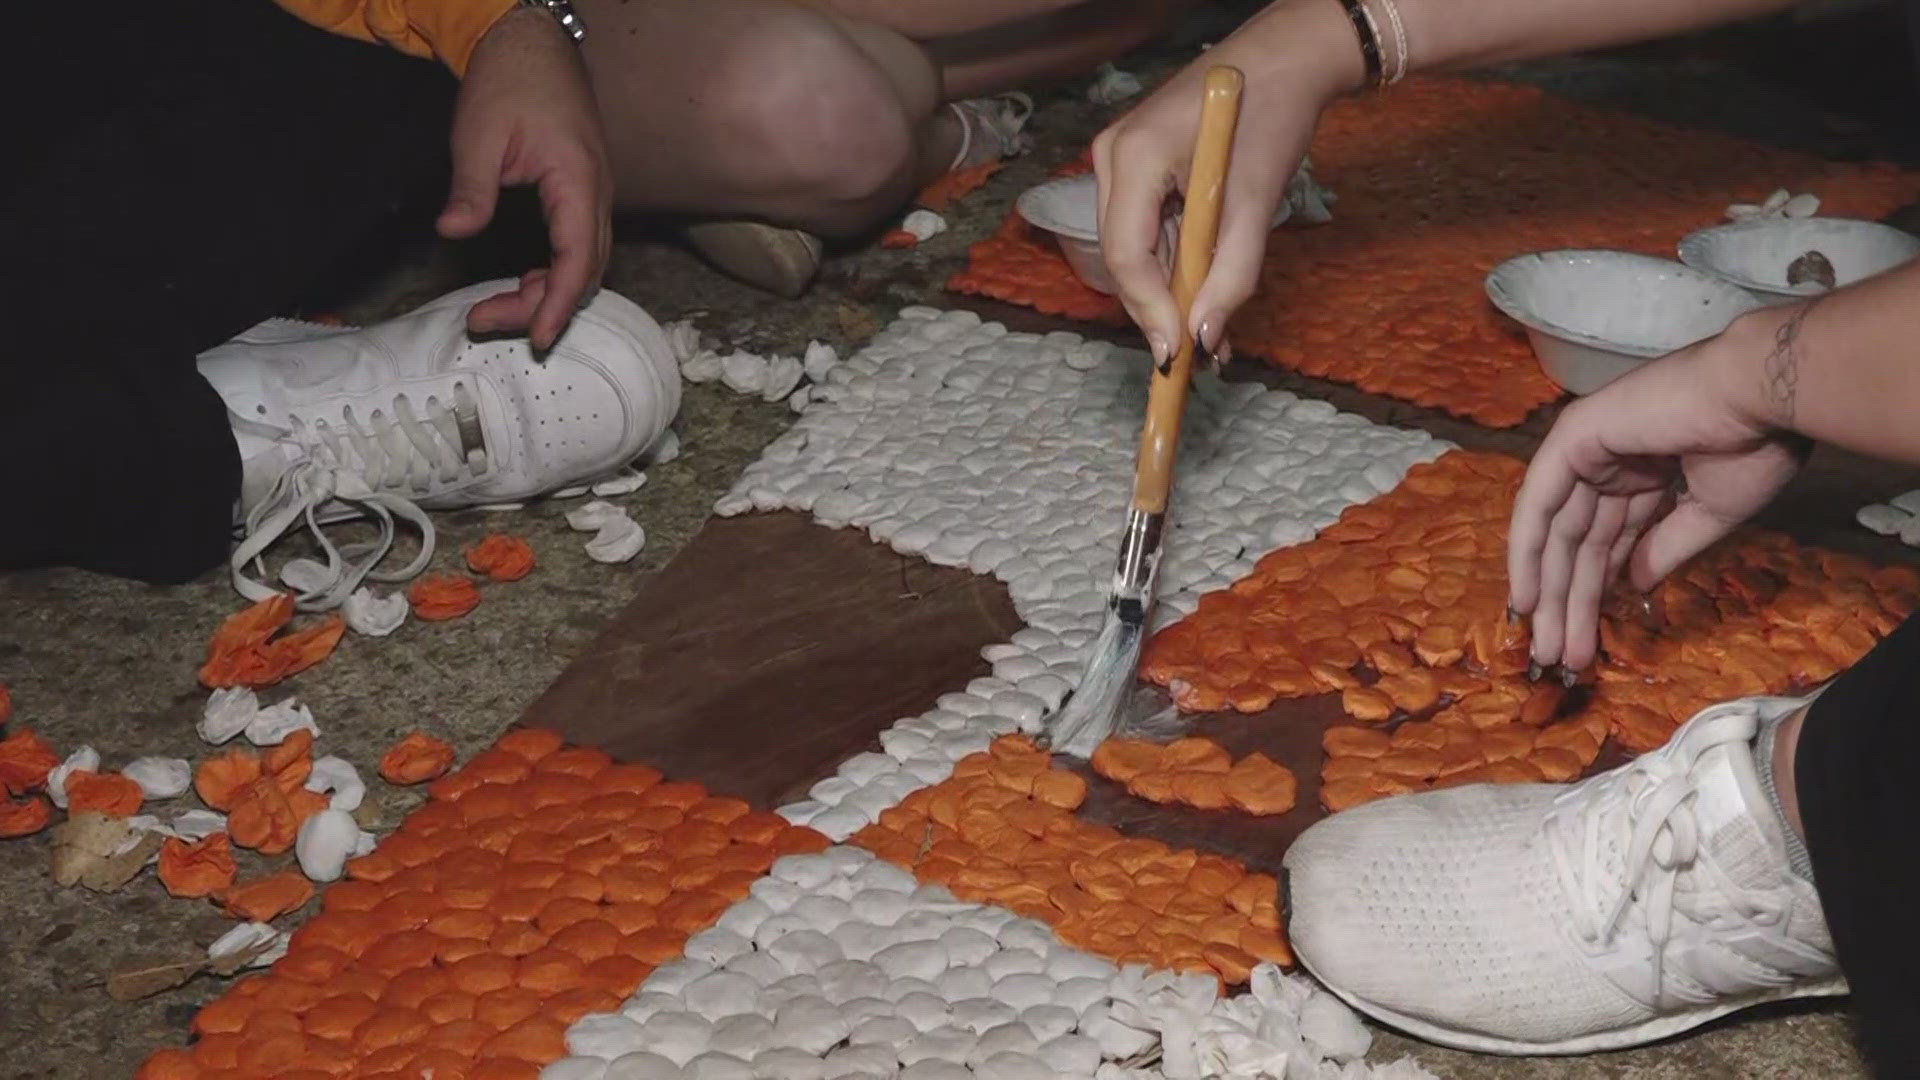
{"x":1138,"y":566}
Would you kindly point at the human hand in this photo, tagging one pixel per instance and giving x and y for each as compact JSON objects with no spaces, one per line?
{"x":526,"y":115}
{"x":1296,"y":57}
{"x":1642,"y":476}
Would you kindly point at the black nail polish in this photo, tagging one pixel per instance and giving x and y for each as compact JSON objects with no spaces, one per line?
{"x":1569,"y":677}
{"x":1534,"y":670}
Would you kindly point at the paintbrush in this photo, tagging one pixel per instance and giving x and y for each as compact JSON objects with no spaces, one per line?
{"x":1097,"y":708}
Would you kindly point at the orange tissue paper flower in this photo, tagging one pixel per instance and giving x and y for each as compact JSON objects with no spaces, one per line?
{"x":416,"y":759}
{"x":244,"y":651}
{"x":112,"y":794}
{"x":501,"y":557}
{"x":438,"y":597}
{"x":24,"y":817}
{"x":25,"y":761}
{"x":197,"y":869}
{"x":266,"y":899}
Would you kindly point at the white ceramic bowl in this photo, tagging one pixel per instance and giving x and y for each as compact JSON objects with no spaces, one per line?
{"x":1593,"y":316}
{"x":1069,"y":208}
{"x":1755,"y":254}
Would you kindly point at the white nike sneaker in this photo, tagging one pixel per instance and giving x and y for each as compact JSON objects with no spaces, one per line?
{"x":1553,"y":919}
{"x":412,"y":415}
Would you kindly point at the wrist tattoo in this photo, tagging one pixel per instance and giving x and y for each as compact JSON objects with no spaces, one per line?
{"x":1783,"y":366}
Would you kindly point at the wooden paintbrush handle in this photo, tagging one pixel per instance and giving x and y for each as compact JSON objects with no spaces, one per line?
{"x":1199,"y":228}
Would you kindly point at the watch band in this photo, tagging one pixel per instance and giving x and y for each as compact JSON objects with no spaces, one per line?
{"x":563,"y":13}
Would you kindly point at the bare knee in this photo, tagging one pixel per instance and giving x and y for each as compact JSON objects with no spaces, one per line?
{"x":814,"y":127}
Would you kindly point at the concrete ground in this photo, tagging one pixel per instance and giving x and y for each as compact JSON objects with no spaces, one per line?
{"x":94,"y":660}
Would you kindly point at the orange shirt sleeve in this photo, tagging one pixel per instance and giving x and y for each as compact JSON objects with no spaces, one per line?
{"x":443,"y":29}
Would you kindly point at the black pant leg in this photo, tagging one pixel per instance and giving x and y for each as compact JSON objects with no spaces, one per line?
{"x":252,"y":156}
{"x":1860,"y":802}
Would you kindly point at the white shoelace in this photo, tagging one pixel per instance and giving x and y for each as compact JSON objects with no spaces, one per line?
{"x":367,"y":463}
{"x":1651,"y":802}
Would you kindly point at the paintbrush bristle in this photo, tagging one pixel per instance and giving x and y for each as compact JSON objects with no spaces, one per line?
{"x":1095,"y":708}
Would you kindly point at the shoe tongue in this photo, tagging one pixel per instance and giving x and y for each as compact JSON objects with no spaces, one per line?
{"x":1739,"y":829}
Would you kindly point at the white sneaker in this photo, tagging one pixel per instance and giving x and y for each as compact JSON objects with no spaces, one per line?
{"x":1553,"y":919}
{"x":413,"y":415}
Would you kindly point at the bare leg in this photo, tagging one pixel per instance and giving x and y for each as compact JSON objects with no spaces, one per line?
{"x":760,"y":108}
{"x":1047,"y":41}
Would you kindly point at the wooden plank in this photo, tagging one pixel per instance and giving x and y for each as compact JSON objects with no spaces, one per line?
{"x":769,"y":651}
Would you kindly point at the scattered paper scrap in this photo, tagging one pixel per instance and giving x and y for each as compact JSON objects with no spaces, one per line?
{"x":249,"y":945}
{"x":99,"y":852}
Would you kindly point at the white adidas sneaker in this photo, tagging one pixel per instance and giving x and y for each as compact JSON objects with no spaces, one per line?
{"x":412,"y":415}
{"x":1555,"y":919}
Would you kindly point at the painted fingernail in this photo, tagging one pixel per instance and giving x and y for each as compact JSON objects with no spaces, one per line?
{"x":1513,"y":616}
{"x":1206,"y":335}
{"x":1534,"y":670}
{"x":1157,"y":345}
{"x":1568,"y":677}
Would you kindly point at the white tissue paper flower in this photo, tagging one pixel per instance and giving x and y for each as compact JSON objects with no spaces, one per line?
{"x":336,"y":778}
{"x":227,"y":713}
{"x":625,"y":482}
{"x":923,"y":224}
{"x":190,"y":826}
{"x":1780,"y":204}
{"x":819,"y":359}
{"x":248,"y":936}
{"x":325,"y":842}
{"x":160,"y":777}
{"x":665,"y":449}
{"x":271,"y":725}
{"x":743,"y":372}
{"x":374,"y":615}
{"x":1112,"y":86}
{"x":683,"y":338}
{"x":593,"y":516}
{"x":618,"y":540}
{"x":783,"y":374}
{"x":85,"y":759}
{"x":702,"y":367}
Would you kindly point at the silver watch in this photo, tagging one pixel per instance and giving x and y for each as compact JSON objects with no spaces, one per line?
{"x":563,"y":13}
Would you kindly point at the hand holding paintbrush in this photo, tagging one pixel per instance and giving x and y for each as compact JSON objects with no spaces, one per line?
{"x":1094,"y":711}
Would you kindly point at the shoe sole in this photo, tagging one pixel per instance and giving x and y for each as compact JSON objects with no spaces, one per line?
{"x":780,"y":261}
{"x":1652,"y":1031}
